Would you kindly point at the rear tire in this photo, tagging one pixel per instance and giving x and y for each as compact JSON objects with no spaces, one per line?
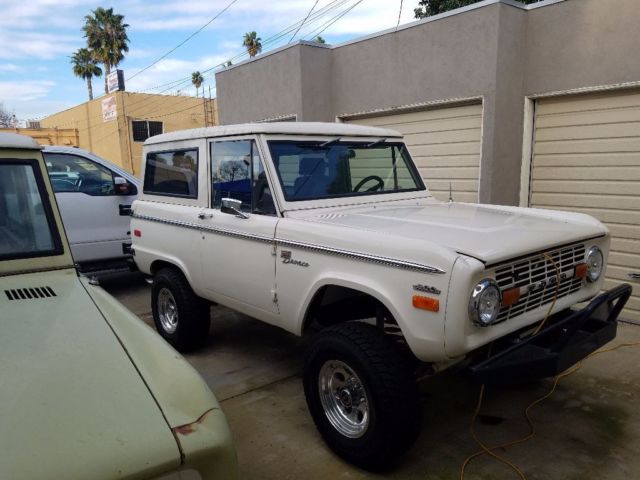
{"x":180,"y":316}
{"x":362,"y":395}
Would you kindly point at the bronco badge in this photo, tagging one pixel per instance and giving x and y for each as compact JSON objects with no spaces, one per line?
{"x":286,"y":258}
{"x":427,"y":289}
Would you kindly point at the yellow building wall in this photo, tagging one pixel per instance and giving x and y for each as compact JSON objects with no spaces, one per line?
{"x":112,"y":139}
{"x":49,"y":136}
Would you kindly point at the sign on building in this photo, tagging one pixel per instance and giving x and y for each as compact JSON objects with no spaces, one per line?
{"x":115,"y":81}
{"x":109,"y":109}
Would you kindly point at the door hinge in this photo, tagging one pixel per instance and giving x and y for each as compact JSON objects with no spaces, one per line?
{"x":274,"y":296}
{"x":274,"y":249}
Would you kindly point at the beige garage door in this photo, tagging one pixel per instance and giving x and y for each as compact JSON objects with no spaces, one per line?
{"x":586,"y":158}
{"x":445,"y":143}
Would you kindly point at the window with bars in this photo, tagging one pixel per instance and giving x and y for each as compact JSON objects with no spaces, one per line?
{"x":143,"y":129}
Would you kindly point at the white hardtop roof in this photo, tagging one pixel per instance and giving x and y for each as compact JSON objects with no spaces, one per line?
{"x":13,"y":140}
{"x":283,"y":128}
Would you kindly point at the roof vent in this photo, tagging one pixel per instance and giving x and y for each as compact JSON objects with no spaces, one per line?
{"x":29,"y":293}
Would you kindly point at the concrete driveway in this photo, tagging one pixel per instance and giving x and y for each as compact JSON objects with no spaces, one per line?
{"x":588,"y":429}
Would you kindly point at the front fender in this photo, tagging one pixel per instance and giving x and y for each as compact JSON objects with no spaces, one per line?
{"x":347,"y":281}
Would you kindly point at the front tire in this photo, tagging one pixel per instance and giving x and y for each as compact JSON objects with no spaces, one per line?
{"x":361,"y":394}
{"x":180,"y":316}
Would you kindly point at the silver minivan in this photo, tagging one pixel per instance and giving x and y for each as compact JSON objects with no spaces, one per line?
{"x":95,"y":200}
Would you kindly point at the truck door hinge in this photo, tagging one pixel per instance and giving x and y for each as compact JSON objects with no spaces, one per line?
{"x":274,"y":296}
{"x":274,"y":249}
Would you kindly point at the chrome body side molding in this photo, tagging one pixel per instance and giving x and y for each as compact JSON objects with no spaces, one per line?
{"x":292,"y":243}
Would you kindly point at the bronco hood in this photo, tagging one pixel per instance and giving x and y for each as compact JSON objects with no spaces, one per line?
{"x":72,"y":404}
{"x":487,"y":232}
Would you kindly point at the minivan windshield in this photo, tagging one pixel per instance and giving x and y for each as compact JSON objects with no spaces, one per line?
{"x":27,"y":228}
{"x":310,"y":170}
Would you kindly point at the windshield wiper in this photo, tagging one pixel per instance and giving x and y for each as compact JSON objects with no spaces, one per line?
{"x":330,"y":142}
{"x":376,"y":143}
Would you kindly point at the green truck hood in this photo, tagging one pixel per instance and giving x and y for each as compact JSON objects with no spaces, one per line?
{"x":72,"y":403}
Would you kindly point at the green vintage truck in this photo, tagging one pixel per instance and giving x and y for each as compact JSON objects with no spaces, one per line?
{"x":87,"y":390}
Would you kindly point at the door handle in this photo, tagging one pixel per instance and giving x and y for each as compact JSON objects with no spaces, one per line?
{"x":634,"y":276}
{"x":203,"y":215}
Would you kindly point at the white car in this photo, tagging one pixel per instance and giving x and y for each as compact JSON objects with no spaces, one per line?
{"x":95,"y":200}
{"x":329,"y":229}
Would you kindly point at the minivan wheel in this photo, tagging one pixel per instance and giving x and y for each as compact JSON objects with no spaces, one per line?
{"x":180,"y":316}
{"x":361,"y":394}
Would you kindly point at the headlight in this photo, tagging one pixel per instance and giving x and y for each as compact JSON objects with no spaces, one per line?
{"x":595,"y":263}
{"x":484,"y":304}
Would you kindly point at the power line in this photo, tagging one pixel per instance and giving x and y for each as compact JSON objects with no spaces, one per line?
{"x":399,"y":15}
{"x":305,"y":19}
{"x":336,"y":18}
{"x":185,"y":40}
{"x":310,"y":19}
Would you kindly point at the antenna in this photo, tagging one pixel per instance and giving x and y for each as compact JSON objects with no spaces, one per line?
{"x":450,"y":193}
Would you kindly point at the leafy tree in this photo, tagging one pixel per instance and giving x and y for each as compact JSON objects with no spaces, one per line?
{"x":197,"y":79}
{"x":319,"y":39}
{"x":427,"y":8}
{"x":85,"y":66}
{"x":252,"y":43}
{"x":106,"y":35}
{"x":228,"y":63}
{"x":6,"y":117}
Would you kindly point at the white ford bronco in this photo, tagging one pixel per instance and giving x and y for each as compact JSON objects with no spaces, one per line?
{"x":328,"y":228}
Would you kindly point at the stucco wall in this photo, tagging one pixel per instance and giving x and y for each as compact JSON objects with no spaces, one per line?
{"x":449,"y":58}
{"x":582,"y":43}
{"x":270,"y":88}
{"x":497,"y":50}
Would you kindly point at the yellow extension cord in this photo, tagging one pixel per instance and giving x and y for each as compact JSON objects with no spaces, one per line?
{"x":532,"y":431}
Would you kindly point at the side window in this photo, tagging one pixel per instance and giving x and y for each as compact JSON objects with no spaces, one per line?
{"x":173,"y":173}
{"x":27,"y":226}
{"x":72,"y":173}
{"x":237,"y":172}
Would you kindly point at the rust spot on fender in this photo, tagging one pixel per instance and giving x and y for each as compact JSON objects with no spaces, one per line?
{"x":189,"y":428}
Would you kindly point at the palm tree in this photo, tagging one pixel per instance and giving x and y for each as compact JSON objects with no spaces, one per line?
{"x":85,"y":66}
{"x":252,"y":42}
{"x":197,"y":79}
{"x":106,"y":35}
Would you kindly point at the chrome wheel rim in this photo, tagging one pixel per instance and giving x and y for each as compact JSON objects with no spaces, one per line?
{"x":344,"y":398}
{"x":167,"y":310}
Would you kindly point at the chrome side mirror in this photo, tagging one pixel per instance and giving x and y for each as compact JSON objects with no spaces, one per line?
{"x":122,"y":187}
{"x":232,"y":206}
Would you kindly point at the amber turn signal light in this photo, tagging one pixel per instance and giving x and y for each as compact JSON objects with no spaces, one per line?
{"x":426,"y":303}
{"x":510,"y":297}
{"x":581,"y":270}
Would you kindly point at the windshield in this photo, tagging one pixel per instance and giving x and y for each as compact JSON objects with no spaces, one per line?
{"x":27,"y":228}
{"x":314,"y":170}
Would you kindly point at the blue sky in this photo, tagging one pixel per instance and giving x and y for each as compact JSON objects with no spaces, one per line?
{"x":38,"y":36}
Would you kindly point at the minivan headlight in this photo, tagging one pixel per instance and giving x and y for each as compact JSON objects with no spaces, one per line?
{"x":484,"y":304}
{"x":595,"y":263}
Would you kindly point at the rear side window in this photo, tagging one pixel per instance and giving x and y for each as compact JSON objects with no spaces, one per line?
{"x":173,"y":173}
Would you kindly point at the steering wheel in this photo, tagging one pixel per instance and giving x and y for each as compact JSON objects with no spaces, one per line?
{"x":378,"y":186}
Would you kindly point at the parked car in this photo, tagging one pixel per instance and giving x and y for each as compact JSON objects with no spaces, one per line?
{"x":88,"y":390}
{"x":95,"y":200}
{"x":329,"y":228}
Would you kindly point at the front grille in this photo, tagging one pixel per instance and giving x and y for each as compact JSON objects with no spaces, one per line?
{"x":29,"y":293}
{"x":536,"y":277}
